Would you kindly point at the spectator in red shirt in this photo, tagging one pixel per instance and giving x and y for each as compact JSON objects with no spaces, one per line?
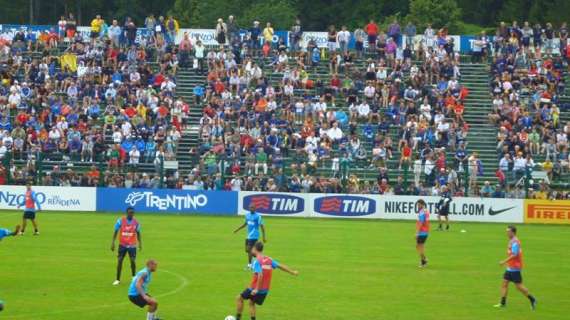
{"x":372,"y":30}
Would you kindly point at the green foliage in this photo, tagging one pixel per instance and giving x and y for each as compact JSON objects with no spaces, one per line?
{"x":459,"y":15}
{"x":278,"y":12}
{"x":440,"y":13}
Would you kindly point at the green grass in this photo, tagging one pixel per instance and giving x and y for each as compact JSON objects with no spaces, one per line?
{"x":349,"y":270}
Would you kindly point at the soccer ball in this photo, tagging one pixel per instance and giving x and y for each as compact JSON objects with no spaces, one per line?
{"x":230,"y":318}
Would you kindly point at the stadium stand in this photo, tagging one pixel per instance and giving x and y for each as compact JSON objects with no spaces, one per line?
{"x":388,"y":119}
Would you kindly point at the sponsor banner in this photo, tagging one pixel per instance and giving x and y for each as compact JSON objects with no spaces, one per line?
{"x":344,"y":206}
{"x":461,"y":209}
{"x":321,"y":38}
{"x":50,"y":198}
{"x":7,"y":31}
{"x":275,"y":204}
{"x":168,"y":201}
{"x":547,"y":211}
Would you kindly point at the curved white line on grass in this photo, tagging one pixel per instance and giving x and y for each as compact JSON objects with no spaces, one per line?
{"x":183,"y":283}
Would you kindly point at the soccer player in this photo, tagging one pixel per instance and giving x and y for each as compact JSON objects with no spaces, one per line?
{"x":138,"y":290}
{"x":30,"y":204}
{"x":514,"y":265}
{"x":129,"y":231}
{"x":422,"y":231}
{"x":443,"y":208}
{"x":7,"y":233}
{"x":254,"y":222}
{"x":259,"y":289}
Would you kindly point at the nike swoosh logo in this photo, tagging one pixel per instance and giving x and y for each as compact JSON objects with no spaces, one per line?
{"x":494,"y":213}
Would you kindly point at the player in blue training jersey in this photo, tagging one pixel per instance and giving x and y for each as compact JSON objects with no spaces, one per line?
{"x":253,"y":222}
{"x":7,"y":233}
{"x":138,"y":290}
{"x":3,"y":234}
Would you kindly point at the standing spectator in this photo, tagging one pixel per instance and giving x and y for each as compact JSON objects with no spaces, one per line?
{"x":268,"y":33}
{"x":221,"y":32}
{"x":172,"y":28}
{"x":371,"y":30}
{"x":410,"y":32}
{"x":394,"y":31}
{"x":254,"y":33}
{"x":233,"y":30}
{"x":296,"y":34}
{"x":343,"y":38}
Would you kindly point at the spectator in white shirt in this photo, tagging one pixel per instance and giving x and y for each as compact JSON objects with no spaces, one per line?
{"x":343,"y":37}
{"x":134,"y":156}
{"x":363,"y":110}
{"x":335,"y":133}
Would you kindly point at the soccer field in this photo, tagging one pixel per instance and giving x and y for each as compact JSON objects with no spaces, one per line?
{"x":348,"y":269}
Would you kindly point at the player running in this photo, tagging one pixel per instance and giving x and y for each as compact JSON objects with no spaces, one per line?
{"x":443,"y":208}
{"x":129,"y":231}
{"x":259,"y":288}
{"x":254,"y":222}
{"x":422,"y":227}
{"x":138,"y":290}
{"x":30,"y":204}
{"x":514,"y":265}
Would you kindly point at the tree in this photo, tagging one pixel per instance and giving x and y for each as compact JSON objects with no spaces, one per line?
{"x":440,"y":13}
{"x":279,"y":12}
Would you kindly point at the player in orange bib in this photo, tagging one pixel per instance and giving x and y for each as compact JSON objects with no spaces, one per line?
{"x":514,"y":264}
{"x":422,"y":231}
{"x":129,"y":231}
{"x":258,"y":290}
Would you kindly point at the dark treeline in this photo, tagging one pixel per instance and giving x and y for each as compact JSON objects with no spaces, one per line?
{"x":461,"y":16}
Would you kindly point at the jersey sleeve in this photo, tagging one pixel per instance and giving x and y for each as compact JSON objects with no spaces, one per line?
{"x":422,"y":217}
{"x":274,"y":264}
{"x":256,"y":266}
{"x":515,"y":249}
{"x":118,"y":225}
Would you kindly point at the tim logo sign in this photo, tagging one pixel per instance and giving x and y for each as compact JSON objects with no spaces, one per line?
{"x":345,"y":206}
{"x":274,"y":203}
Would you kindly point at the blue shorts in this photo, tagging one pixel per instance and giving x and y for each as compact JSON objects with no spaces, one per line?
{"x":132,"y":251}
{"x":421,"y":239}
{"x":249,"y":243}
{"x":29,"y":215}
{"x":513,"y":276}
{"x":258,"y":298}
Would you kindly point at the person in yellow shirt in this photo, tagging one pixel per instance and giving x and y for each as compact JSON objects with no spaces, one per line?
{"x":96,"y":25}
{"x":268,"y":33}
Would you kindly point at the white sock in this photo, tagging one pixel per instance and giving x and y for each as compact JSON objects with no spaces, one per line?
{"x":150,"y":316}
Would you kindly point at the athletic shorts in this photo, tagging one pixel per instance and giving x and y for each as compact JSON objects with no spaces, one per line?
{"x":249,"y":243}
{"x":138,"y":300}
{"x":258,"y":298}
{"x":513,"y":276}
{"x":443,"y":212}
{"x":94,"y":34}
{"x":132,"y":251}
{"x":421,"y":239}
{"x":29,"y":215}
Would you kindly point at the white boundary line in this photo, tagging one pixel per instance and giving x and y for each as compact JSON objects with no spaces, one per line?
{"x":183,"y":283}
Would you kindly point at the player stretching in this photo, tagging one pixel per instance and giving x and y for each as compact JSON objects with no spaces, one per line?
{"x":30,"y":204}
{"x":259,"y":289}
{"x":514,"y":266}
{"x":443,"y":208}
{"x":7,"y":233}
{"x":422,"y":227}
{"x":138,"y":290}
{"x":129,"y":231}
{"x":253,"y":221}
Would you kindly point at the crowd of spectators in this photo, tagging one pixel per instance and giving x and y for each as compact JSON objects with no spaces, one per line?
{"x":309,"y":118}
{"x":103,"y":98}
{"x":528,"y":82}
